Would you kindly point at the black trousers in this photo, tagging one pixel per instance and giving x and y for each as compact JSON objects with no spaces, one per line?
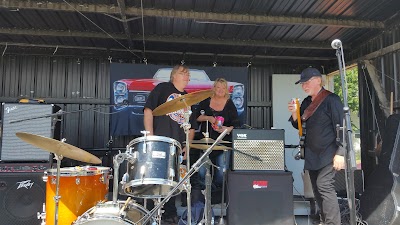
{"x":322,"y":182}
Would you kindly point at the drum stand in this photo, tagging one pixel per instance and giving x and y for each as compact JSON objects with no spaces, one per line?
{"x":207,"y":195}
{"x":186,"y":127}
{"x":57,"y":197}
{"x":222,"y":220}
{"x":190,"y":172}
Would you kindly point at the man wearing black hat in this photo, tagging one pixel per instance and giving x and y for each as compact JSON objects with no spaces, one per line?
{"x":321,"y":111}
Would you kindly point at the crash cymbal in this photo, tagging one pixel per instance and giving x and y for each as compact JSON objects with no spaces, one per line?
{"x":58,"y":147}
{"x":207,"y":141}
{"x":205,"y":147}
{"x":182,"y":102}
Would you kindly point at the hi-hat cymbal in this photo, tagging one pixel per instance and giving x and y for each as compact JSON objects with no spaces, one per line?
{"x":207,"y":141}
{"x":205,"y":147}
{"x":58,"y":147}
{"x":182,"y":102}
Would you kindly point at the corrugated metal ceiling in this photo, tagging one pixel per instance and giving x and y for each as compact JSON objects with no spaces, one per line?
{"x":237,"y":27}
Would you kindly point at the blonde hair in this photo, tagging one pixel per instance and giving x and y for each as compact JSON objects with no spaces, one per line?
{"x":223,"y":82}
{"x":175,"y":70}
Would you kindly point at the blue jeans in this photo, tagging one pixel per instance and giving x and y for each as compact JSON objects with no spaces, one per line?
{"x":223,"y":162}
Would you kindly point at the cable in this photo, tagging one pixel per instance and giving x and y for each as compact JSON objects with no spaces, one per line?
{"x":372,"y":106}
{"x":144,"y":44}
{"x":129,"y":50}
{"x":345,"y":212}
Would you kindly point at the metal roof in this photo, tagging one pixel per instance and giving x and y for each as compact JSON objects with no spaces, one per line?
{"x":273,"y":29}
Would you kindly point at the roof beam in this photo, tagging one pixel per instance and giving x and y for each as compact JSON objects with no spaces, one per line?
{"x":202,"y":16}
{"x":79,"y":48}
{"x":170,"y":39}
{"x":122,"y":8}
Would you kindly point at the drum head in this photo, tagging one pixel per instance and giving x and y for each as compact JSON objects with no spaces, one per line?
{"x":155,"y":138}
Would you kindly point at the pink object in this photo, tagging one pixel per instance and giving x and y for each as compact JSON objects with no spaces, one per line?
{"x":219,"y":121}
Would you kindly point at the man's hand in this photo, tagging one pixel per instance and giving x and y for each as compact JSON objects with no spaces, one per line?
{"x":291,"y":107}
{"x":338,"y":162}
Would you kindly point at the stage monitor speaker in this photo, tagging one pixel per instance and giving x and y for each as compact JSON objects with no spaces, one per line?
{"x":256,"y":149}
{"x":22,"y":194}
{"x":260,"y":198}
{"x":29,"y":118}
{"x":340,"y":183}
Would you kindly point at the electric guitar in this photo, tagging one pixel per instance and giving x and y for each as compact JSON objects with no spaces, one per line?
{"x":302,"y":130}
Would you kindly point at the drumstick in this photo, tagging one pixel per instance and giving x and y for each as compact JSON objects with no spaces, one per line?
{"x":124,"y":206}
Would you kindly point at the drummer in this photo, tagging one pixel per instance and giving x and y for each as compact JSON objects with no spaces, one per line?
{"x":169,"y":125}
{"x":221,"y":114}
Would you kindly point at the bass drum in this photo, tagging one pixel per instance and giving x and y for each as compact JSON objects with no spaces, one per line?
{"x":110,"y":213}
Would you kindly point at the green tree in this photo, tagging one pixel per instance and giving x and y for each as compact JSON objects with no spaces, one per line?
{"x":352,"y":91}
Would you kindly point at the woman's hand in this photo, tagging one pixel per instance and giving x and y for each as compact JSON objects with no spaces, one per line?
{"x":222,"y":128}
{"x":211,"y":119}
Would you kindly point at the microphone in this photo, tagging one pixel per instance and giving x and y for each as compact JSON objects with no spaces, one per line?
{"x":336,"y":44}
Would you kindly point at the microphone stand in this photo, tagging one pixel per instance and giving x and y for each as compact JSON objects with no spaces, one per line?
{"x":347,"y":140}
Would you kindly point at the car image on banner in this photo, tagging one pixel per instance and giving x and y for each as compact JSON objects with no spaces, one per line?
{"x":133,"y":93}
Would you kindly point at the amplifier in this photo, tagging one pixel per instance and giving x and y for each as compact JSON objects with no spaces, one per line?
{"x":30,"y":118}
{"x":255,"y":149}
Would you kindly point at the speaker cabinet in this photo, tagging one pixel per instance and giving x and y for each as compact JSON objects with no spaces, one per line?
{"x":21,"y":196}
{"x":258,"y":149}
{"x":30,"y":118}
{"x":340,"y":183}
{"x":260,"y":197}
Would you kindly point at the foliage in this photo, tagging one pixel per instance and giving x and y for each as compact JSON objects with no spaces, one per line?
{"x":352,"y":91}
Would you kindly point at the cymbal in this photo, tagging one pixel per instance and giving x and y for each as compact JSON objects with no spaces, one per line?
{"x":182,"y":102}
{"x":207,"y":141}
{"x":58,"y":147}
{"x":205,"y":147}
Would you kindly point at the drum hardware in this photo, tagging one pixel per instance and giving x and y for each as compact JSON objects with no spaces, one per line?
{"x":117,"y":160}
{"x":221,"y":219}
{"x":42,"y":216}
{"x":195,"y":167}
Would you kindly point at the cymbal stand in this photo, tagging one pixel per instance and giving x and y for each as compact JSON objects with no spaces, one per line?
{"x":186,"y":127}
{"x":222,"y":220}
{"x":208,"y":181}
{"x":57,"y":197}
{"x":190,"y":172}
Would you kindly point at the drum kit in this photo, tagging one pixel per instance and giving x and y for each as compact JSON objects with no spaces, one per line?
{"x":78,"y":195}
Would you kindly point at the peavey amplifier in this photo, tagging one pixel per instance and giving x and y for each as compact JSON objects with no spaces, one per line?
{"x":255,"y":149}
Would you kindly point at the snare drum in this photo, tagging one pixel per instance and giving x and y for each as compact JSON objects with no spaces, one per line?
{"x":110,"y":213}
{"x":155,"y":170}
{"x":80,"y":188}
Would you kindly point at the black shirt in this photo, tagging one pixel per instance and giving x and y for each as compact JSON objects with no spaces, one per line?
{"x":168,"y":125}
{"x":229,"y":113}
{"x":320,"y":140}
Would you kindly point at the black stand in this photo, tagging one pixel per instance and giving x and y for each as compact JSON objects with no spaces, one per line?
{"x":347,"y":136}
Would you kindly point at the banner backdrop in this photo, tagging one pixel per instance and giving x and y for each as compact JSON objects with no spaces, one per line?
{"x":131,"y":85}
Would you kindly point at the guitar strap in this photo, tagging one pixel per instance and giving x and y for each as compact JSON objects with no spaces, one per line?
{"x":310,"y":110}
